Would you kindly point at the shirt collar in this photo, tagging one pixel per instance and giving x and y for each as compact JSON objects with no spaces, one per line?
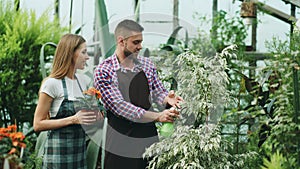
{"x":116,"y":65}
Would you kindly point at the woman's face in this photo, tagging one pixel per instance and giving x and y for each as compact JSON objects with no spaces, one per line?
{"x":81,"y":56}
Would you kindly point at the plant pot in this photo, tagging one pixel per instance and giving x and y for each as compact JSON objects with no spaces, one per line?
{"x":248,"y":10}
{"x":5,"y":163}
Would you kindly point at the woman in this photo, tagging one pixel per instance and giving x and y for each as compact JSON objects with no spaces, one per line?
{"x":65,"y":145}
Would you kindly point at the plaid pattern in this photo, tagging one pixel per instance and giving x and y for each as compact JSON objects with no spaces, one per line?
{"x":65,"y":147}
{"x":106,"y":81}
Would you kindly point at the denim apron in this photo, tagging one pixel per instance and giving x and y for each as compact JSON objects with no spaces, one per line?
{"x":65,"y":147}
{"x":126,"y":141}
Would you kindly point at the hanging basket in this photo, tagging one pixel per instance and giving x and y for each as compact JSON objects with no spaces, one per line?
{"x":248,"y":10}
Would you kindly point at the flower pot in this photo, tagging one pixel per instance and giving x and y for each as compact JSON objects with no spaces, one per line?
{"x":248,"y":10}
{"x":7,"y":164}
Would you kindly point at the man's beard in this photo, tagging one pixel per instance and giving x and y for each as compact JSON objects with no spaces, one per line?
{"x":129,"y":54}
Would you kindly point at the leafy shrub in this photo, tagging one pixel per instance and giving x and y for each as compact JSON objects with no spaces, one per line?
{"x":21,"y":36}
{"x":284,"y":126}
{"x":200,"y":147}
{"x":226,"y":30}
{"x":202,"y":82}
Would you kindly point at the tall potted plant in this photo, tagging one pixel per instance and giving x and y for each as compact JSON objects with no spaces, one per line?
{"x":197,"y":142}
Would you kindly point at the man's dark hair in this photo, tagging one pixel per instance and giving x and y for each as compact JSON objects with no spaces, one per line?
{"x":126,"y":27}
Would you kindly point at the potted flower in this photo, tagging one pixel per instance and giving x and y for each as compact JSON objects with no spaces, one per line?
{"x":97,"y":131}
{"x":90,"y":102}
{"x":11,"y":148}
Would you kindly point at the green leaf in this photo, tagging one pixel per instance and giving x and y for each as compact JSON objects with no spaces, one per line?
{"x":92,"y":154}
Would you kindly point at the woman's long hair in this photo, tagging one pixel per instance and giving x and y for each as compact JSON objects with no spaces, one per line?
{"x":64,"y":61}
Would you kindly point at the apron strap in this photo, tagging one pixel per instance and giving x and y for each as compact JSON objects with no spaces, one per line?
{"x":65,"y":87}
{"x":78,"y":84}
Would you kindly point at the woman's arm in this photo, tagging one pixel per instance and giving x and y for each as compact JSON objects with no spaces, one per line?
{"x":42,"y":122}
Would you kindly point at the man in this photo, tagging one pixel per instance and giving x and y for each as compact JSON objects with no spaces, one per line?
{"x":128,"y":84}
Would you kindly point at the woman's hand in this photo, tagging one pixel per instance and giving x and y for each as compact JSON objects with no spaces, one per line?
{"x":99,"y":115}
{"x":84,"y":117}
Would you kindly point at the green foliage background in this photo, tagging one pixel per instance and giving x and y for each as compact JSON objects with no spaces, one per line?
{"x":21,"y":36}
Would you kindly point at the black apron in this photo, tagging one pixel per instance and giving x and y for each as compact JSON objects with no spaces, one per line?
{"x":65,"y":147}
{"x":126,"y":141}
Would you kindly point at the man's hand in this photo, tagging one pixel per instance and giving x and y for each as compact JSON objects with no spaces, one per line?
{"x":173,"y":100}
{"x":168,"y":115}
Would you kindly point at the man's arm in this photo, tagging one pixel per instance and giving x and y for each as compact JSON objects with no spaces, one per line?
{"x":115,"y":102}
{"x":160,"y":94}
{"x":158,"y":90}
{"x":168,"y":115}
{"x":112,"y":97}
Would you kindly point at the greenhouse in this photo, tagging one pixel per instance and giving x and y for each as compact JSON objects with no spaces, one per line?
{"x":176,"y":84}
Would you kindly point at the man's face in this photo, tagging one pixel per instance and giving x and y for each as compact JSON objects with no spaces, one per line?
{"x":133,"y":44}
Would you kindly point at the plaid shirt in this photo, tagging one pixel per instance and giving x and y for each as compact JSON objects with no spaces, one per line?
{"x":106,"y":81}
